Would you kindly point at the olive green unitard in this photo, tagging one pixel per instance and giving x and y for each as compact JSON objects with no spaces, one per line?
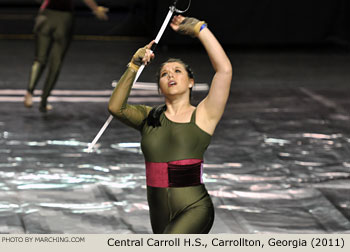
{"x":53,"y":34}
{"x":177,"y":198}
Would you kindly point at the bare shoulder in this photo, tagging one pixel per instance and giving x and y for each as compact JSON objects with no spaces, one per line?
{"x":203,"y":121}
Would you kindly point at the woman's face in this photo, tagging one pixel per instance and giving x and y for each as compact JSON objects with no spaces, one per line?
{"x":174,"y":79}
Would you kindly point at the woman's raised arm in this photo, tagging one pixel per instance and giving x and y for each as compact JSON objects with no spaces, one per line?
{"x":211,"y":108}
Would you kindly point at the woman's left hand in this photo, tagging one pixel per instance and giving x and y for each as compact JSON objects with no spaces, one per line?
{"x":175,"y":23}
{"x":186,"y":25}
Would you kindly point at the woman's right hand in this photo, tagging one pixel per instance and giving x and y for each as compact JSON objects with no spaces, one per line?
{"x":143,"y":56}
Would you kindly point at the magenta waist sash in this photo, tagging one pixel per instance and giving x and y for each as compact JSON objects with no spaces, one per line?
{"x":178,"y":173}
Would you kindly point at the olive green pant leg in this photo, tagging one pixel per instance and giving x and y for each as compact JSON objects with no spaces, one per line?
{"x":58,"y":51}
{"x":187,"y":210}
{"x":159,"y":209}
{"x":43,"y":43}
{"x":62,"y":37}
{"x":198,"y":220}
{"x":35,"y":74}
